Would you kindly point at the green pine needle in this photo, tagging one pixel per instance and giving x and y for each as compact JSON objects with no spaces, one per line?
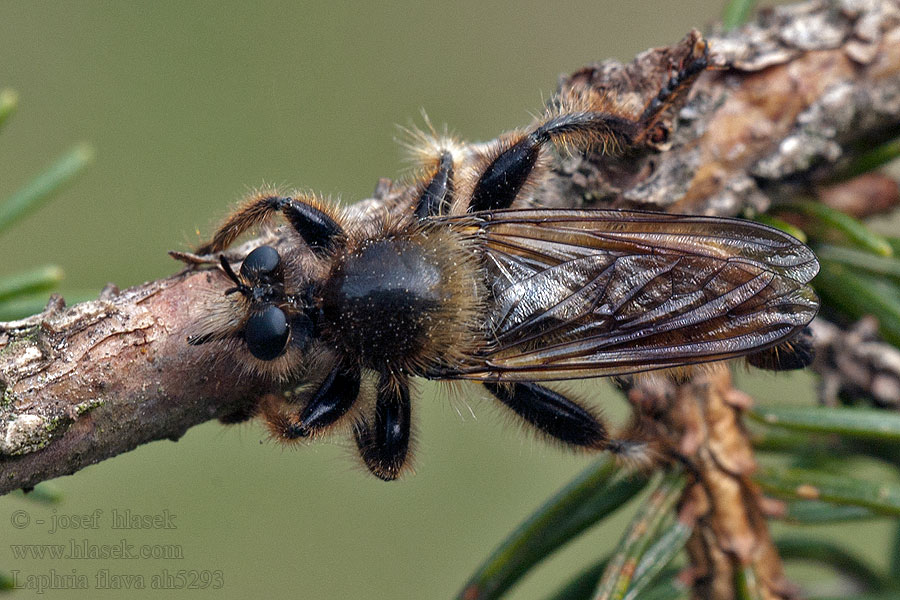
{"x":667,"y":590}
{"x":837,"y":557}
{"x":827,"y":224}
{"x":581,"y":587}
{"x":9,"y":101}
{"x":894,"y":242}
{"x":736,"y":13}
{"x":894,"y":565}
{"x":43,"y":493}
{"x":25,"y":306}
{"x":886,"y":266}
{"x":849,"y":422}
{"x":641,"y":532}
{"x":597,"y":492}
{"x":815,"y":512}
{"x":42,"y":187}
{"x":857,"y":294}
{"x":882,"y":498}
{"x":746,"y":584}
{"x":6,"y":582}
{"x":869,"y":161}
{"x":767,"y":219}
{"x":20,"y":308}
{"x":29,"y":282}
{"x":891,"y":594}
{"x":657,"y":558}
{"x":775,"y":439}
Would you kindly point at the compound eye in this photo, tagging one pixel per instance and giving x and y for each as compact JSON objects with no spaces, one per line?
{"x":267,"y":333}
{"x":262,"y":261}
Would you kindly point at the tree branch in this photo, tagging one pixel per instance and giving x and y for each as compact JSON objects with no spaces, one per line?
{"x":700,"y":421}
{"x":805,"y":90}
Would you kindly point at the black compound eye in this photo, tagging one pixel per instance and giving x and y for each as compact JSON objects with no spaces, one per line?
{"x":267,"y":333}
{"x":262,"y":261}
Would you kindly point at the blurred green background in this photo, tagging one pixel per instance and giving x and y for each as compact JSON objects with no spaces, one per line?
{"x":188,"y":106}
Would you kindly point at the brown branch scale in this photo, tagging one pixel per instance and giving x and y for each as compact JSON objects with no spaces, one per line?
{"x":699,"y":422}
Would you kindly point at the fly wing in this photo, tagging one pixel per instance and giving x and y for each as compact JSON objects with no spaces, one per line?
{"x":587,"y":293}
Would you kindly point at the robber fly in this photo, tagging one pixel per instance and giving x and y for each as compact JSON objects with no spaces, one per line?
{"x":463,"y":285}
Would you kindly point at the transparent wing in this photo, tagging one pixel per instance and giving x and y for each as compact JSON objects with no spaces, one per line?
{"x":587,"y":293}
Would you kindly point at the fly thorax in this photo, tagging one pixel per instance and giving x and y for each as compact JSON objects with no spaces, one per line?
{"x":382,"y":301}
